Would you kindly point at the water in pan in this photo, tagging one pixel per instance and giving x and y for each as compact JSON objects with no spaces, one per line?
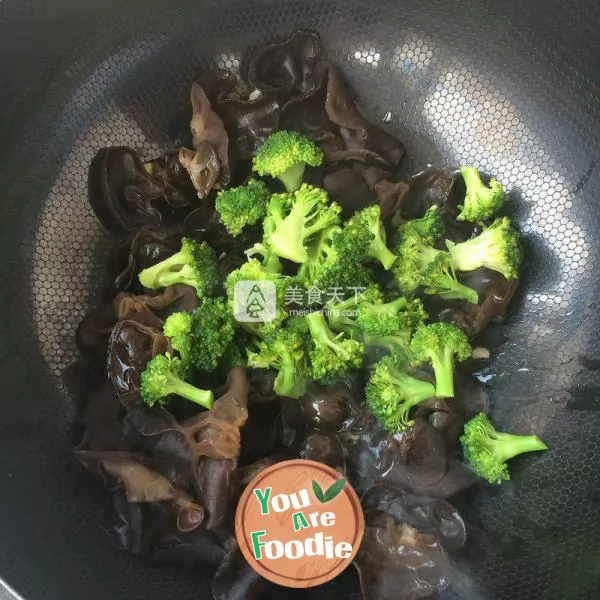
{"x":452,"y":99}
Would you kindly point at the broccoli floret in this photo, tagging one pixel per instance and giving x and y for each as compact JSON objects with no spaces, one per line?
{"x":252,"y":270}
{"x":391,"y":393}
{"x":439,"y":344}
{"x":194,"y":265}
{"x":177,"y":327}
{"x":370,"y":219}
{"x":481,"y":202}
{"x":284,"y":155}
{"x":163,"y":376}
{"x":211,"y":333}
{"x":430,"y":226}
{"x":497,"y":247}
{"x":342,"y":261}
{"x":401,"y":314}
{"x":241,"y":206}
{"x":488,"y":450}
{"x":342,"y":315}
{"x":310,"y":212}
{"x":283,"y":350}
{"x":331,"y":354}
{"x":421,"y":265}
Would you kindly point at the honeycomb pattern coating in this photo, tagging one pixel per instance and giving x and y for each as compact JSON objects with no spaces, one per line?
{"x":511,"y":88}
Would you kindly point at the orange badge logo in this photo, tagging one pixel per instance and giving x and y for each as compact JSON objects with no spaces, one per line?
{"x":299,"y":523}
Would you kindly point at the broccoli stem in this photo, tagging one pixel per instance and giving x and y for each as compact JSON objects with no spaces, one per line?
{"x":190,"y":392}
{"x":506,"y":445}
{"x":292,"y":178}
{"x":382,"y":253}
{"x":455,"y":290}
{"x":174,"y":264}
{"x":443,"y":367}
{"x":319,"y":330}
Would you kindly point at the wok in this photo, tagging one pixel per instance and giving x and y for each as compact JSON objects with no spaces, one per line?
{"x":510,"y":87}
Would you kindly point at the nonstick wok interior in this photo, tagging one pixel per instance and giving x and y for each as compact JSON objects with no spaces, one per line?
{"x":510,"y":87}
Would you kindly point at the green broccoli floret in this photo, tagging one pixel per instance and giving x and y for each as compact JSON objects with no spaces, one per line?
{"x":241,"y":206}
{"x":252,"y":270}
{"x":488,"y":450}
{"x":342,"y":315}
{"x":285,"y":154}
{"x":497,"y":247}
{"x":283,"y":350}
{"x":331,"y":354}
{"x":211,"y":333}
{"x":163,"y":376}
{"x":439,"y":344}
{"x":421,"y":265}
{"x":194,"y":265}
{"x":341,"y":262}
{"x":430,"y":226}
{"x":370,"y":219}
{"x":378,"y":319}
{"x":310,"y":212}
{"x":177,"y":327}
{"x":481,"y":202}
{"x":391,"y":393}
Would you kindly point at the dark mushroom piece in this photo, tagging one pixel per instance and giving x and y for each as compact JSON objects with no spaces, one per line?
{"x":292,"y":70}
{"x":249,"y":121}
{"x":142,"y":485}
{"x":143,"y":250}
{"x":329,"y":407}
{"x":397,"y":562}
{"x":203,"y":167}
{"x":130,"y":347}
{"x":124,"y":196}
{"x":178,"y":188}
{"x":204,"y":449}
{"x":428,"y":515}
{"x":207,"y":127}
{"x":363,"y":140}
{"x":495,"y":293}
{"x":417,"y":460}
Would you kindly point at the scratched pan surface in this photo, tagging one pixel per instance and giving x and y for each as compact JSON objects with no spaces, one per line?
{"x":511,"y":87}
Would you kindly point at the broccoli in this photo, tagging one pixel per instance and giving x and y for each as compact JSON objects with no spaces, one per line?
{"x":438,"y":344}
{"x":421,"y":265}
{"x":487,"y":450}
{"x":370,"y":219}
{"x":331,"y":354}
{"x":203,"y":337}
{"x":481,"y":202}
{"x":342,"y":315}
{"x":163,"y":376}
{"x":497,"y":248}
{"x":177,"y":327}
{"x":310,"y":212}
{"x":340,"y":261}
{"x":391,"y":393}
{"x":378,"y":319}
{"x":195,"y":265}
{"x":241,"y":206}
{"x":285,"y":154}
{"x":211,"y":333}
{"x":283,"y":350}
{"x":430,"y":226}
